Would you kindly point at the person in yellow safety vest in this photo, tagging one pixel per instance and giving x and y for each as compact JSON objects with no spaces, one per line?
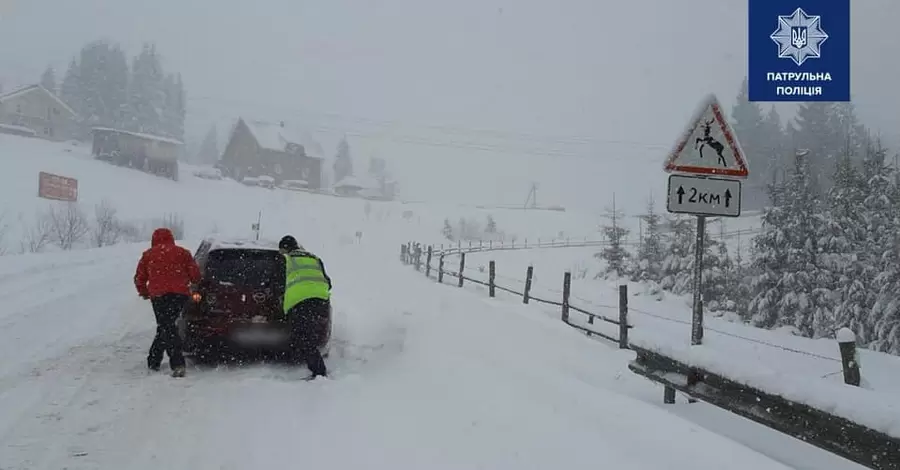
{"x":307,"y":304}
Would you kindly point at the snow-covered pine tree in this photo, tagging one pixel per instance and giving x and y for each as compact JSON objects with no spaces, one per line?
{"x":447,"y":231}
{"x":882,"y":326}
{"x":491,"y":225}
{"x":343,"y":162}
{"x":841,"y":249}
{"x":747,"y":120}
{"x":115,"y":89}
{"x":48,"y":80}
{"x":146,"y":97}
{"x":70,"y":89}
{"x":676,"y":266}
{"x":814,"y":132}
{"x":615,"y":254}
{"x":773,"y":149}
{"x":849,"y":134}
{"x":787,"y":292}
{"x":647,"y":266}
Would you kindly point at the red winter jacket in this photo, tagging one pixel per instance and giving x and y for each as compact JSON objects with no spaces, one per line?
{"x":165,"y":268}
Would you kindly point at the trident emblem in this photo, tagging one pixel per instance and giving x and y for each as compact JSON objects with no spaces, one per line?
{"x":798,"y":36}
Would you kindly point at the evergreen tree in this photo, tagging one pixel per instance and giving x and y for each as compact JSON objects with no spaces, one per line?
{"x":70,"y":89}
{"x":343,"y":162}
{"x":650,"y":256}
{"x":102,"y":81}
{"x":747,"y":120}
{"x":48,"y":80}
{"x":881,"y":246}
{"x":787,"y":292}
{"x":209,"y":149}
{"x":447,"y":231}
{"x":146,"y":94}
{"x":676,"y":267}
{"x":814,"y":132}
{"x":615,"y":254}
{"x":841,"y":245}
{"x":491,"y":225}
{"x":773,"y":147}
{"x":849,"y":135}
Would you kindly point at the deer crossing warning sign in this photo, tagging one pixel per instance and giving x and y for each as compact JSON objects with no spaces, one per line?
{"x":708,"y":145}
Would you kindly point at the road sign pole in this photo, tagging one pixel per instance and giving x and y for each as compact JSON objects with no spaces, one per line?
{"x":697,"y":318}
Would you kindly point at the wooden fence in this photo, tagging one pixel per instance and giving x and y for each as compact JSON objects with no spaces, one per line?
{"x":474,"y":247}
{"x":412,"y":253}
{"x":818,"y":427}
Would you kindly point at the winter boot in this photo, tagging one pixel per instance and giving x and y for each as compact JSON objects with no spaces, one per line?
{"x":178,"y":372}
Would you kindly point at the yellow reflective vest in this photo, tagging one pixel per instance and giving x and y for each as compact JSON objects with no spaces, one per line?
{"x":304,"y":279}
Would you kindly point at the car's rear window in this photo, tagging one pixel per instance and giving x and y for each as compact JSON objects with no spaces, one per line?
{"x":243,"y":267}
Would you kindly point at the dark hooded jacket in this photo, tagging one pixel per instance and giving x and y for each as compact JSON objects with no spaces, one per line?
{"x":165,"y":268}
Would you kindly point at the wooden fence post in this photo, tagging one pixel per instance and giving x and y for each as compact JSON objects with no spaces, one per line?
{"x":526,"y":242}
{"x":428,"y":261}
{"x":403,"y":253}
{"x":462,"y":267}
{"x":441,"y":268}
{"x":480,"y":244}
{"x":623,"y":316}
{"x":567,"y":286}
{"x":849,"y":356}
{"x":491,"y":274}
{"x":527,"y":294}
{"x":418,"y":255}
{"x":490,"y":244}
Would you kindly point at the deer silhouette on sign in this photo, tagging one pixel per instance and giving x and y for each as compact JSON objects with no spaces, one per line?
{"x":708,"y":140}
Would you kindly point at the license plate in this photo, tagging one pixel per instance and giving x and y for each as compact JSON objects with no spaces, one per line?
{"x":259,"y":336}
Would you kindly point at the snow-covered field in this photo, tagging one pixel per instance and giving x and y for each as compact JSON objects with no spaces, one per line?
{"x":424,"y":375}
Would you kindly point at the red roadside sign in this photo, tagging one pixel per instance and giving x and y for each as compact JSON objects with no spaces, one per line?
{"x":60,"y":188}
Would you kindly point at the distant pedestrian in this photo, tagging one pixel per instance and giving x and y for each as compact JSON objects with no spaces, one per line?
{"x":164,"y":275}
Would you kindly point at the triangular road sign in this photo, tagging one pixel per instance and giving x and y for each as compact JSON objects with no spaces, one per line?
{"x":708,"y":145}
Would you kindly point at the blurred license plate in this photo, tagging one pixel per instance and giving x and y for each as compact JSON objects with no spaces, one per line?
{"x":259,"y":336}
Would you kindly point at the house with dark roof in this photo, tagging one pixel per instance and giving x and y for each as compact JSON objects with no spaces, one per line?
{"x":39,"y":110}
{"x":260,"y":148}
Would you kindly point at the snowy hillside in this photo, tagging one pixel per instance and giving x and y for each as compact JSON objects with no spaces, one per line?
{"x":424,"y":375}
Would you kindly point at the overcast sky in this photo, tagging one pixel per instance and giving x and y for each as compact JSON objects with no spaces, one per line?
{"x":593,"y":91}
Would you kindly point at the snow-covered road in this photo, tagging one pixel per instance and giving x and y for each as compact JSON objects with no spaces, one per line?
{"x":424,"y":377}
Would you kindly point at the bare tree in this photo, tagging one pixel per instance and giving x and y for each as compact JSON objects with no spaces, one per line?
{"x":107,"y":230}
{"x":68,"y":225}
{"x":38,"y":235}
{"x":173,"y":222}
{"x":4,"y":230}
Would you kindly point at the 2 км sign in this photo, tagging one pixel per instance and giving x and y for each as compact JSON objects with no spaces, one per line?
{"x":60,"y":188}
{"x":799,"y":50}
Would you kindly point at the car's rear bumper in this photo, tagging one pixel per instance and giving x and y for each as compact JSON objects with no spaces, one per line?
{"x":246,"y":334}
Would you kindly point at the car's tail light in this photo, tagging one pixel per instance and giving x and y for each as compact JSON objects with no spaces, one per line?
{"x":196,"y":297}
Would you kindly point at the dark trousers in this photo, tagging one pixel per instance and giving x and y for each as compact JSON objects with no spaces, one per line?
{"x":167,"y":309}
{"x":309,"y":322}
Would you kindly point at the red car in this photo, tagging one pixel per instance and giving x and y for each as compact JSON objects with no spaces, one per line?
{"x":238,"y":304}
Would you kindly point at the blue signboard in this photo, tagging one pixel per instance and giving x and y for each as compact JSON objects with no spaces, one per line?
{"x":799,"y":50}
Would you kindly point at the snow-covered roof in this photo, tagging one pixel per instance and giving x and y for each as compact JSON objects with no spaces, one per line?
{"x":242,"y":244}
{"x":274,"y":136}
{"x":23,"y":129}
{"x":39,"y":88}
{"x":140,"y":135}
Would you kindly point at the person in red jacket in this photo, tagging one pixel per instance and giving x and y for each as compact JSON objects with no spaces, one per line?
{"x":164,"y":275}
